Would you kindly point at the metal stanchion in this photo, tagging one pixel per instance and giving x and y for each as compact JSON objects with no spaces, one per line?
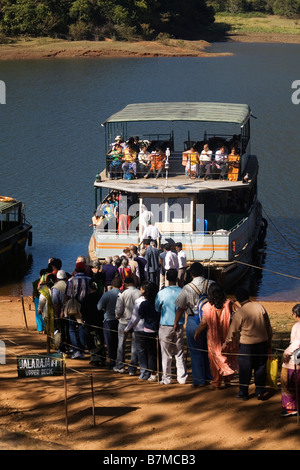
{"x":65,"y":387}
{"x":93,"y":401}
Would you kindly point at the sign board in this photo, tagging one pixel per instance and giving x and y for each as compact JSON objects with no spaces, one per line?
{"x":40,"y":365}
{"x":296,"y":355}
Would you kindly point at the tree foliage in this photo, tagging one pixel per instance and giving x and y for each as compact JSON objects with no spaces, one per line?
{"x":84,"y":18}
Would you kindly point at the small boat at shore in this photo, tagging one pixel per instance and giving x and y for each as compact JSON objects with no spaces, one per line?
{"x":15,"y":231}
{"x":211,"y":208}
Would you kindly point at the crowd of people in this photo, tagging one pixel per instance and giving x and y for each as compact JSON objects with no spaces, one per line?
{"x":147,"y":302}
{"x":222,"y":165}
{"x":133,"y":159}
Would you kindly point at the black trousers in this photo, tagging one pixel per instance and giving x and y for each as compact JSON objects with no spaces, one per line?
{"x":252,"y":357}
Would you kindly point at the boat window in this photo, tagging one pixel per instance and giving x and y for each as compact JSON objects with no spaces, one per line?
{"x":179,"y":209}
{"x":157,"y":206}
{"x":9,"y":219}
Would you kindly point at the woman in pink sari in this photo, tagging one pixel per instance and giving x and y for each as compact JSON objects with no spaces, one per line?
{"x":216,"y":317}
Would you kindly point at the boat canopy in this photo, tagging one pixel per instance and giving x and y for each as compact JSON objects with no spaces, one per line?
{"x":7,"y":206}
{"x":183,"y":111}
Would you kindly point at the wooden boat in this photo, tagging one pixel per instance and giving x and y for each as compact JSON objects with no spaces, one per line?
{"x":218,"y":221}
{"x":15,"y":231}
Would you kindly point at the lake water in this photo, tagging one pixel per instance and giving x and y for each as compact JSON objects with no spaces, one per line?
{"x":52,"y":142}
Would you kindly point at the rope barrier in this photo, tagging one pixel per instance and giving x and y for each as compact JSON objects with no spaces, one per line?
{"x":160,"y":339}
{"x":269,"y":270}
{"x":276,"y":228}
{"x":156,"y":338}
{"x":124,"y":363}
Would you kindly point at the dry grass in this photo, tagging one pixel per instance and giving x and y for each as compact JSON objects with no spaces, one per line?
{"x":257,"y":23}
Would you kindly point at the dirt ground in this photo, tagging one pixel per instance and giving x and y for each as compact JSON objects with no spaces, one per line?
{"x":129,"y":414}
{"x":46,"y":48}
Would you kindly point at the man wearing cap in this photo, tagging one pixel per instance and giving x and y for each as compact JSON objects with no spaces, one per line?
{"x":87,"y":269}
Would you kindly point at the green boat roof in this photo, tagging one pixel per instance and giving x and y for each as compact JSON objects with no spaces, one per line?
{"x":182,"y":111}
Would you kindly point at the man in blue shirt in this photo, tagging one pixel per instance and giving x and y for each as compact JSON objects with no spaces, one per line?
{"x":171,"y":341}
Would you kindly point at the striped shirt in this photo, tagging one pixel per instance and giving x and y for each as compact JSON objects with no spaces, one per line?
{"x":78,"y":286}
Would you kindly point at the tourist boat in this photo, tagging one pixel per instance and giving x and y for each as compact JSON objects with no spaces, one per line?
{"x":15,"y":231}
{"x":218,"y":221}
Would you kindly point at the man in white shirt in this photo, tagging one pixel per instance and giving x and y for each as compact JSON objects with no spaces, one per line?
{"x":146,"y":216}
{"x":205,"y":161}
{"x":171,"y":260}
{"x":182,"y":263}
{"x":220,"y":165}
{"x":151,"y":232}
{"x":144,"y":160}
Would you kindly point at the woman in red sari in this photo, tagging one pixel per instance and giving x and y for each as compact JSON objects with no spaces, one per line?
{"x":216,"y":317}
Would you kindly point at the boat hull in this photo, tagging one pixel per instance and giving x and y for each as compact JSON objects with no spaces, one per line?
{"x":13,"y":243}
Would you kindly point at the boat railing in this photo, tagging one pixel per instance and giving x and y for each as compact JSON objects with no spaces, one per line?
{"x":160,"y":164}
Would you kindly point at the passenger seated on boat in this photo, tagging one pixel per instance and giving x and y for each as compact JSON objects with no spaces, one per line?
{"x":205,"y":161}
{"x":233,"y":165}
{"x":219,"y":166}
{"x":115,"y":159}
{"x":129,"y":165}
{"x":133,"y":142}
{"x":157,"y":159}
{"x":143,"y":160}
{"x":118,"y":142}
{"x":192,"y":162}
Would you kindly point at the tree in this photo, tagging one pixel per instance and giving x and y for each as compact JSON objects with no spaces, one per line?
{"x":33,"y":17}
{"x":288,"y":8}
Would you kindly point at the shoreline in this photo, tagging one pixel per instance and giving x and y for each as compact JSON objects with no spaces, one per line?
{"x":46,"y":48}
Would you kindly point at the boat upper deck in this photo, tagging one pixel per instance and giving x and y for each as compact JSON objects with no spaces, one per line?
{"x":173,"y":177}
{"x":175,"y":182}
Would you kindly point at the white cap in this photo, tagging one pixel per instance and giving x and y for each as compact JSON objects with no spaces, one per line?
{"x":61,"y":274}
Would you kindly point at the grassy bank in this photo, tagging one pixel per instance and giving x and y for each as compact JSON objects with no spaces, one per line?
{"x":238,"y":28}
{"x":248,"y":23}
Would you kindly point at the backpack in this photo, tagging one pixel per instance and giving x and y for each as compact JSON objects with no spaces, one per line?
{"x":124,"y":273}
{"x":203,"y":299}
{"x":72,"y":308}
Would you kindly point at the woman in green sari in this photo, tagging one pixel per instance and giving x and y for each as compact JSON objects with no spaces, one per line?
{"x":45,"y":308}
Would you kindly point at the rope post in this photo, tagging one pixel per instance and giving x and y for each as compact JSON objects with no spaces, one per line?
{"x":297,"y":392}
{"x":93,"y":401}
{"x":48,"y":331}
{"x":24,"y":313}
{"x":65,"y":387}
{"x":157,"y":358}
